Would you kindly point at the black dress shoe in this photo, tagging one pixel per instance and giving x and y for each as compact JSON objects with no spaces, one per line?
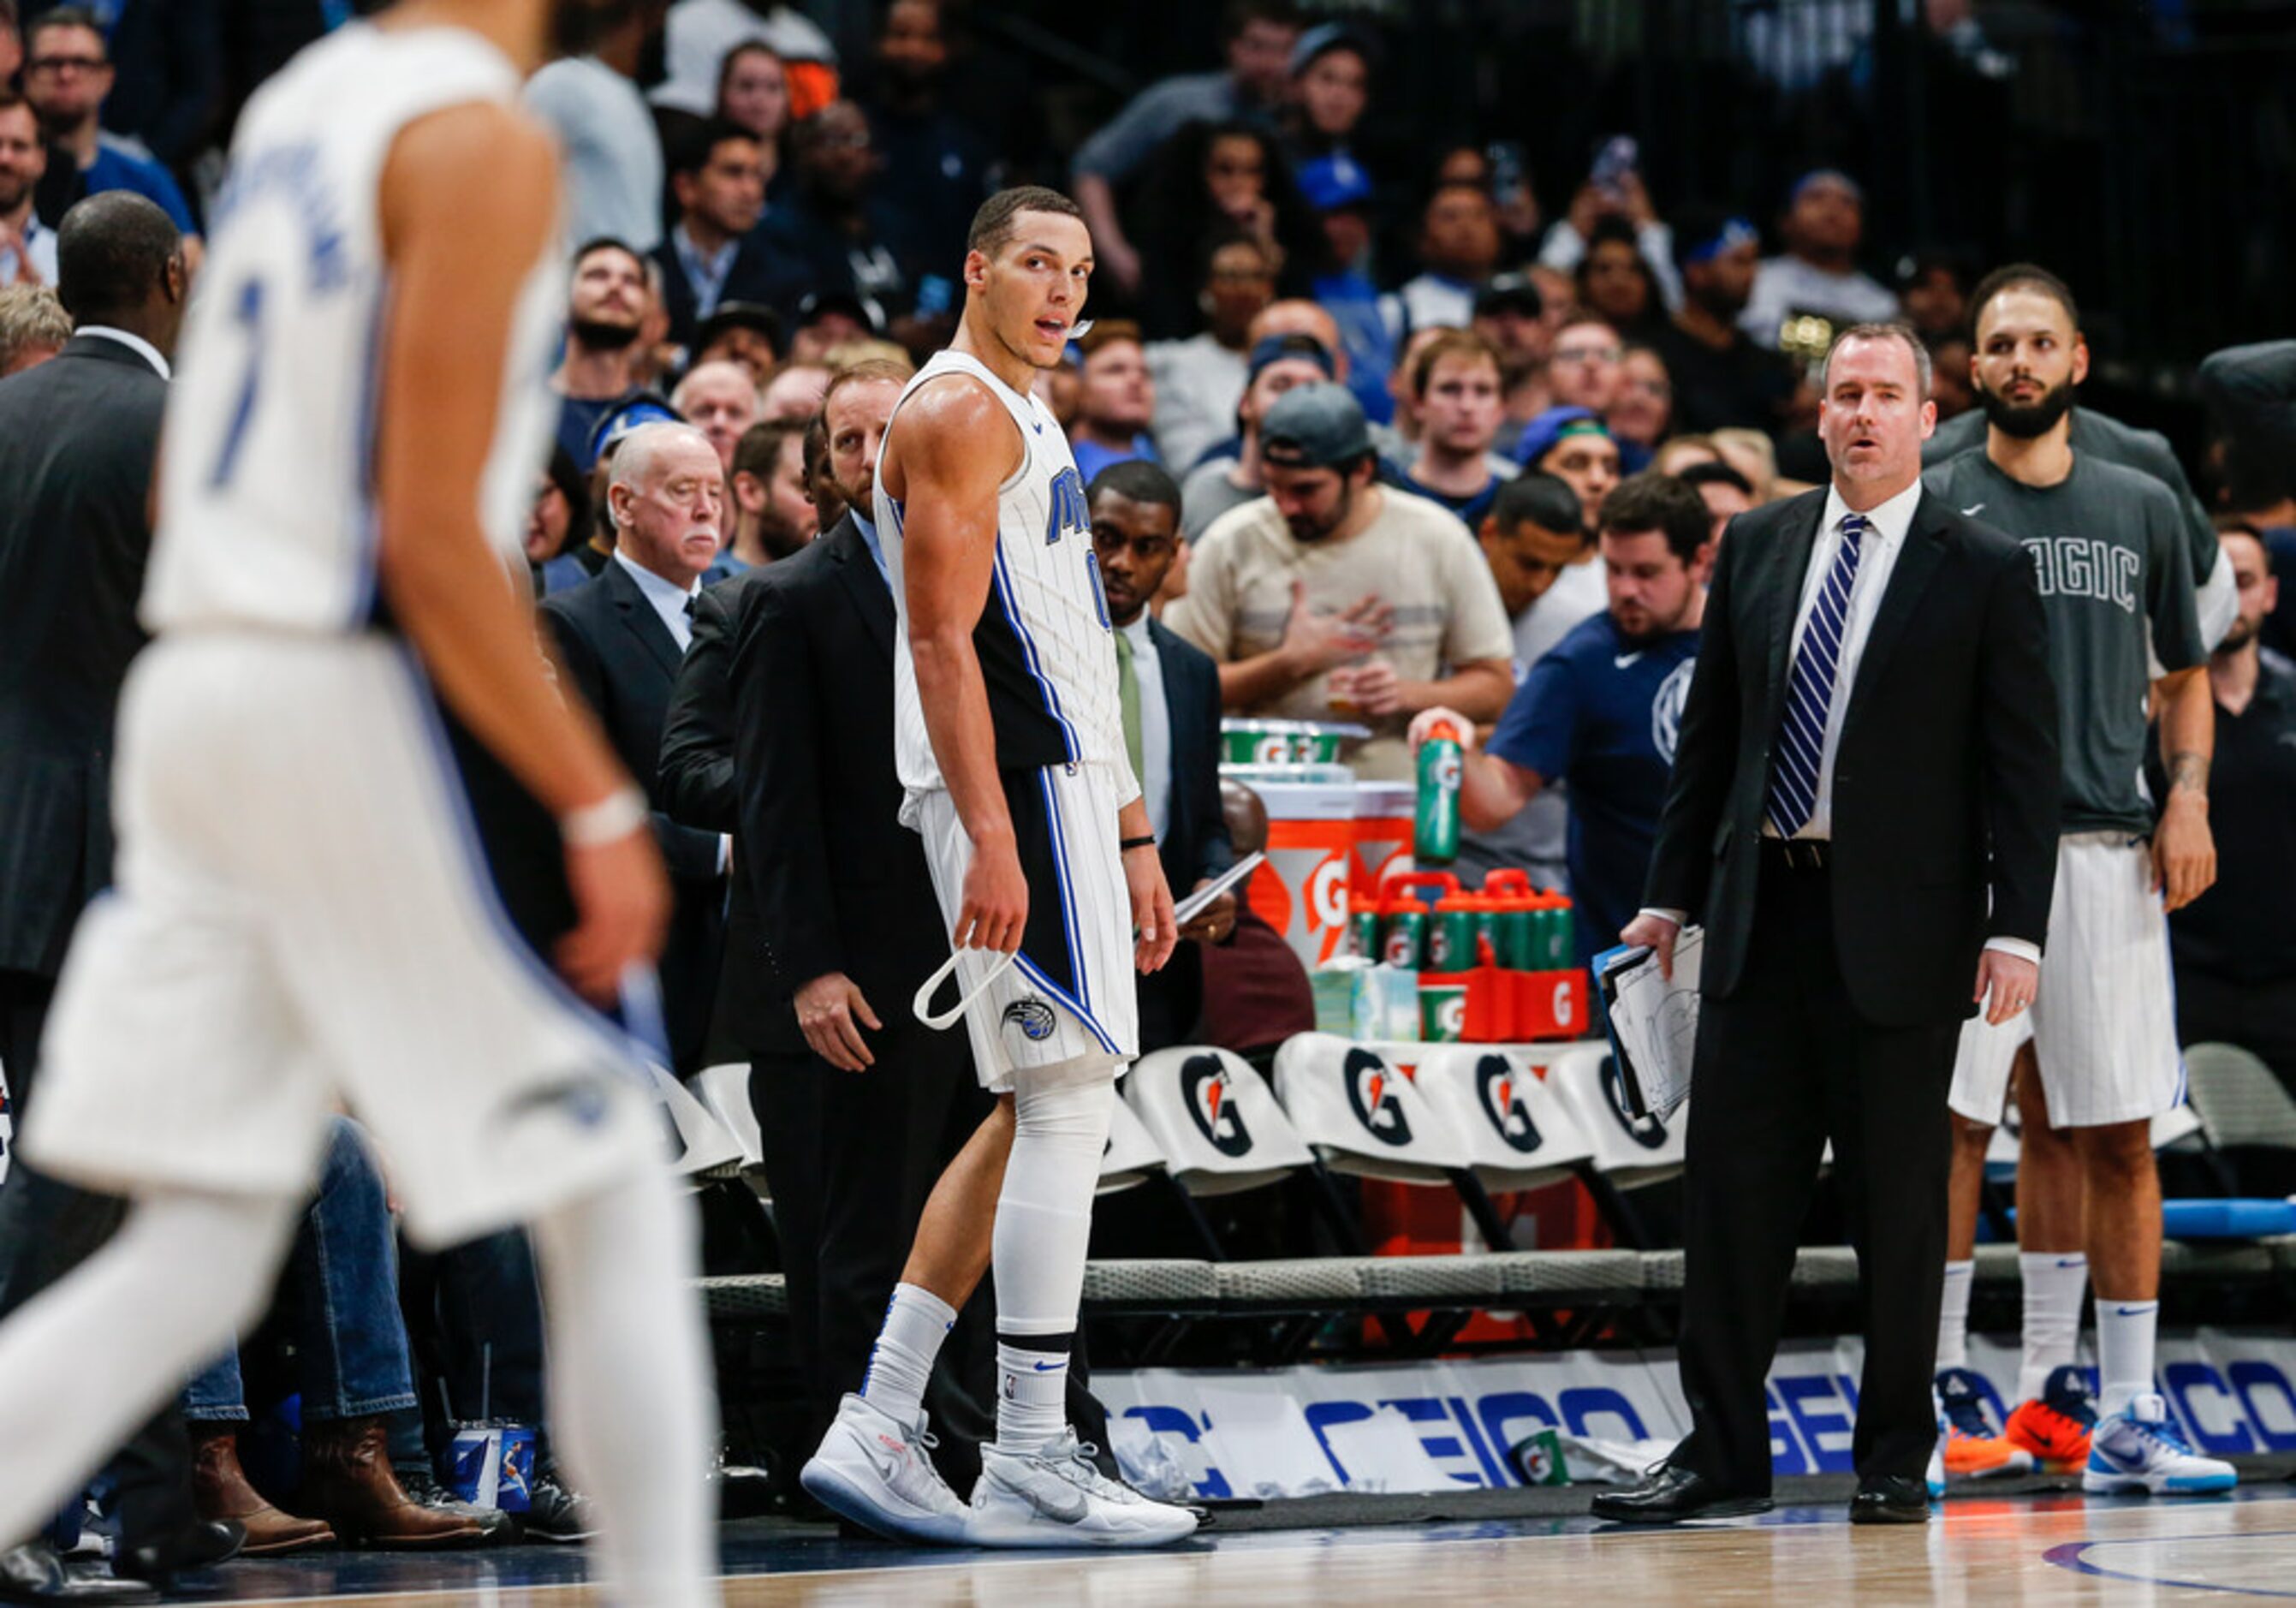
{"x":196,"y":1546}
{"x":1891,"y":1499}
{"x":1669,"y":1495}
{"x":34,"y":1573}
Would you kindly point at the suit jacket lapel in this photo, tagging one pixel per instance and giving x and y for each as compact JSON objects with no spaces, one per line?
{"x":849,"y":552}
{"x":638,"y":613}
{"x":1924,"y":549}
{"x":1793,"y":570}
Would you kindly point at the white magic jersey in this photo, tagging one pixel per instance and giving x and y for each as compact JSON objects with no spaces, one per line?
{"x":267,"y":513}
{"x":1045,"y":648}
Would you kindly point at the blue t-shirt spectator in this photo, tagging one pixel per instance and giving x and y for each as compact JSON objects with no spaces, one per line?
{"x":1601,"y":713}
{"x":118,"y":168}
{"x":1092,"y":457}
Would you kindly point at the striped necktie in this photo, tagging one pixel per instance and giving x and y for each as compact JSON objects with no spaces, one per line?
{"x":1810,"y":690}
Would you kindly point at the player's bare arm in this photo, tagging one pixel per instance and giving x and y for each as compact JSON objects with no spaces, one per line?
{"x":948,"y":486}
{"x":1492,"y":791}
{"x":1156,"y":927}
{"x":2184,"y":850}
{"x":454,"y":287}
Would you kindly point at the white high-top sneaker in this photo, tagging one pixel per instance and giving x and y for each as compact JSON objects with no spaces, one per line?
{"x":1055,"y":1497}
{"x":876,"y":1470}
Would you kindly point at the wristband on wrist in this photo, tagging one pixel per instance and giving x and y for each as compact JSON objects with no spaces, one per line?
{"x":1126,"y":845}
{"x":612,"y":818}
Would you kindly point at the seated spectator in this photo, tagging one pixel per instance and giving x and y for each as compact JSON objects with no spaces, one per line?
{"x":1644,"y":408}
{"x":1335,"y":596}
{"x":352,"y":1367}
{"x":1454,"y":388}
{"x":720,"y":400}
{"x":795,"y":392}
{"x":1458,"y":248}
{"x":1753,"y":454}
{"x":1721,"y":375}
{"x":1217,"y":484}
{"x":1117,"y":401}
{"x":1583,"y":368}
{"x":747,"y":332}
{"x":1514,"y":206}
{"x":1727,"y":493}
{"x":753,"y":93}
{"x":715,"y":251}
{"x":1213,"y":182}
{"x":613,"y":151}
{"x":1259,"y":995}
{"x":67,"y":74}
{"x":1511,"y":316}
{"x":1600,"y":709}
{"x":1198,"y":380}
{"x":697,"y":34}
{"x":1171,"y":701}
{"x":1398,"y":443}
{"x":27,"y":247}
{"x":1549,"y":580}
{"x":838,"y":230}
{"x":1338,"y":192}
{"x":1575,"y":447}
{"x":938,"y":165}
{"x":558,"y":527}
{"x":1257,"y":37}
{"x":1614,"y":280}
{"x":2235,"y":948}
{"x":774,"y":515}
{"x":1622,"y":213}
{"x":1330,"y":89}
{"x":1934,"y":288}
{"x":33,"y":327}
{"x":1950,"y":385}
{"x":1802,"y":296}
{"x":606,"y":308}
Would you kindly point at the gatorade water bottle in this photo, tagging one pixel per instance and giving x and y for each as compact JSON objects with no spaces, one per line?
{"x":1516,"y":923}
{"x":1362,"y":925}
{"x":1451,"y":933}
{"x":1435,"y":829}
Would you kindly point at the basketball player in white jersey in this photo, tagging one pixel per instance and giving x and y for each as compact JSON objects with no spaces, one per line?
{"x":303,"y":915}
{"x":1010,"y":742}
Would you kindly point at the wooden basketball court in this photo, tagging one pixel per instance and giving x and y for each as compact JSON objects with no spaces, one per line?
{"x":2033,"y":1550}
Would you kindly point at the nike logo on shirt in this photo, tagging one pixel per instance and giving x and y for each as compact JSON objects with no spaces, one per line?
{"x":1623,"y":659}
{"x":1972,"y":511}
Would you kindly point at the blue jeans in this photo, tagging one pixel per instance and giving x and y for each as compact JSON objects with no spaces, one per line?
{"x":351,"y":1341}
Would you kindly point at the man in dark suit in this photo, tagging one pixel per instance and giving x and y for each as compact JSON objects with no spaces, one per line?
{"x":621,"y":636}
{"x":718,"y":251}
{"x":1170,"y":694}
{"x":78,"y":438}
{"x":1869,"y":748}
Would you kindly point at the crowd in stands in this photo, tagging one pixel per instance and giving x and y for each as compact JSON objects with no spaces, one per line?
{"x":1360,"y":444}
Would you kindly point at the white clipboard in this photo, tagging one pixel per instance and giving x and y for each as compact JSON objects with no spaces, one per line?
{"x":1198,"y":902}
{"x":1654,"y":1021}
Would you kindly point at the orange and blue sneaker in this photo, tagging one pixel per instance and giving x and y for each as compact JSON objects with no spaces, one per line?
{"x":2055,"y":1428}
{"x":1967,"y":1446}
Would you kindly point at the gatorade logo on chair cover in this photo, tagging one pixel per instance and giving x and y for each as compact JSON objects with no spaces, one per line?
{"x":1648,"y":1132}
{"x":1495,"y":1089}
{"x":1375,"y":1103}
{"x":1204,"y":1090}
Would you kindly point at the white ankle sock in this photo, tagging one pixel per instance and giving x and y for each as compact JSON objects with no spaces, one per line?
{"x":1953,"y":1316}
{"x":2124,"y":1352}
{"x":2054,"y":1281}
{"x":916,"y":1321}
{"x":1031,"y":1394}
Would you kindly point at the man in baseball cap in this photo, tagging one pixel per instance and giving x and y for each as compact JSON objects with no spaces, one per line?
{"x":1335,"y":597}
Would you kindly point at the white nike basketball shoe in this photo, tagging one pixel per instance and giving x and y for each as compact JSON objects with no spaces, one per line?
{"x":876,"y":1471}
{"x":1055,"y":1497}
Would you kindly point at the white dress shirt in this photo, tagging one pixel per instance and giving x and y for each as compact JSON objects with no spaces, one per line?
{"x":133,"y":343}
{"x":1156,"y":726}
{"x":667,"y":601}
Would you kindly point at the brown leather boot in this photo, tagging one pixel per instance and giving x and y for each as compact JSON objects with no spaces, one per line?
{"x":220,"y":1491}
{"x":347,"y":1476}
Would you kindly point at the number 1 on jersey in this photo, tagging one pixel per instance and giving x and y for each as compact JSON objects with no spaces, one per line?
{"x":248,"y":312}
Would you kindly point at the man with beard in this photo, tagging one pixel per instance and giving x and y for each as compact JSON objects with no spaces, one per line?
{"x":606,"y":306}
{"x":1335,"y":598}
{"x":774,"y":511}
{"x":2116,"y":586}
{"x":27,"y":247}
{"x":1600,"y":709}
{"x":1721,"y":377}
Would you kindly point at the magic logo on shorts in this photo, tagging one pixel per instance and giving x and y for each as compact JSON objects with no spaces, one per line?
{"x":1033,"y":1017}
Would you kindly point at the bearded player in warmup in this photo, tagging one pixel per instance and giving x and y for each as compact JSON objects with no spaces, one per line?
{"x":1009,"y":737}
{"x":303,"y":913}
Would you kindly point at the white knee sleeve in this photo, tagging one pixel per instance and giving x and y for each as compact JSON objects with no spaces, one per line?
{"x":1043,"y":1214}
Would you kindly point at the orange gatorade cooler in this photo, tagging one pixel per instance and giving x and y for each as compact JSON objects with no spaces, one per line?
{"x":1382,"y":832}
{"x":1302,"y":890}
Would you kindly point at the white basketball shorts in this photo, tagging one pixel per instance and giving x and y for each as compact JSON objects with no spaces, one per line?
{"x":1070,"y":996}
{"x":2104,"y":1021}
{"x":303,"y":918}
